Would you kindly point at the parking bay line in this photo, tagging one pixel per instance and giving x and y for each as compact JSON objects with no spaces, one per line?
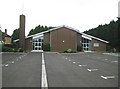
{"x":82,"y":65}
{"x":74,"y":62}
{"x":44,"y":83}
{"x":114,"y":61}
{"x":90,"y":70}
{"x":107,"y":77}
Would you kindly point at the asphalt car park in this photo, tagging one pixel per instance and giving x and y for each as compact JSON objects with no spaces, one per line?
{"x":62,"y":69}
{"x":25,"y":71}
{"x":81,"y":70}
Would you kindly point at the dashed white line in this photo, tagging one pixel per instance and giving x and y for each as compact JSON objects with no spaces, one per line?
{"x":74,"y":62}
{"x":6,"y":65}
{"x":82,"y":65}
{"x":106,"y":59}
{"x":107,"y":77}
{"x":44,"y":83}
{"x":90,"y":70}
{"x":114,"y":61}
{"x":12,"y":62}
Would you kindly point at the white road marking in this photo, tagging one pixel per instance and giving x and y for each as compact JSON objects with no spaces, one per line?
{"x":6,"y":65}
{"x":69,"y":60}
{"x":74,"y":62}
{"x":82,"y":65}
{"x":44,"y":83}
{"x":106,"y":59}
{"x":113,"y":61}
{"x":92,"y":70}
{"x":112,"y":54}
{"x":12,"y":62}
{"x":66,"y":58}
{"x":107,"y":77}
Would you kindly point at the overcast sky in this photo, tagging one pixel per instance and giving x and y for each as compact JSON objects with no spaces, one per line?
{"x":78,"y":14}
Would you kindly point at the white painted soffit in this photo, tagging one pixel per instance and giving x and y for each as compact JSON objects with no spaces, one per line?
{"x":15,"y":40}
{"x":53,"y":30}
{"x":94,"y":38}
{"x":61,"y":27}
{"x":86,"y":37}
{"x":36,"y":36}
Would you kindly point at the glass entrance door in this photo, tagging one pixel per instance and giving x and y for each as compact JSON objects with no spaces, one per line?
{"x":38,"y":43}
{"x":86,"y":44}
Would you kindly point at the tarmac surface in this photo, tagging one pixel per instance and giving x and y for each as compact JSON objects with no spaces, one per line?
{"x":62,"y":70}
{"x":24,"y":72}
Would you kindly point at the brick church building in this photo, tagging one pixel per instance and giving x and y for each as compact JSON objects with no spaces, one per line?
{"x":59,"y":39}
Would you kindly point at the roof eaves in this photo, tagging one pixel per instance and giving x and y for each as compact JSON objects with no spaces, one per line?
{"x":95,"y":38}
{"x":16,"y":40}
{"x":61,"y":27}
{"x":53,"y":30}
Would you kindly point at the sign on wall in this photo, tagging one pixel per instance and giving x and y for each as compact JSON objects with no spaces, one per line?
{"x":96,"y":44}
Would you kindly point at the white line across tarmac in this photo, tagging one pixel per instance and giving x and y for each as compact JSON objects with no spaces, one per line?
{"x":44,"y":83}
{"x":74,"y":62}
{"x":82,"y":65}
{"x":107,"y":77}
{"x":114,"y":61}
{"x":92,"y":70}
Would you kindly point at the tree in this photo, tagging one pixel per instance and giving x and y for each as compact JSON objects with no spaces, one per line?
{"x":15,"y":34}
{"x":107,"y":32}
{"x":39,"y":29}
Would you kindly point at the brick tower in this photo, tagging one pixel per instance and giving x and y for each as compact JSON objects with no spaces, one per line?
{"x":22,"y":32}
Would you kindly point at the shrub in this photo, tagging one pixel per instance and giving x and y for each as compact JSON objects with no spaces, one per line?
{"x":69,"y":51}
{"x":79,"y":48}
{"x":20,"y":50}
{"x":46,"y":47}
{"x":8,"y":49}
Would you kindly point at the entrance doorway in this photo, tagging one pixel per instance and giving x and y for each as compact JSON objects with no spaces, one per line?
{"x":86,"y":44}
{"x":38,"y":43}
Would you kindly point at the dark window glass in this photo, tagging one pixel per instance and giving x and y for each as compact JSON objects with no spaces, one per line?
{"x":39,"y":44}
{"x":39,"y":40}
{"x":35,"y":44}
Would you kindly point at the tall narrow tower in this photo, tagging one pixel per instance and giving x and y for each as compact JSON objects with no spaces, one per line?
{"x":22,"y":32}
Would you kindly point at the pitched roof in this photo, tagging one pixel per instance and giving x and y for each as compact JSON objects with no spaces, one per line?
{"x":53,"y":30}
{"x":76,"y":30}
{"x":89,"y":36}
{"x":3,"y":34}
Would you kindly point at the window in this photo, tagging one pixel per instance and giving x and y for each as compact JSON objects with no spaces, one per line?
{"x":96,"y":44}
{"x":37,"y":43}
{"x":86,"y":44}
